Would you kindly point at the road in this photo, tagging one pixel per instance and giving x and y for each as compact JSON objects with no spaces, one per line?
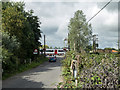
{"x":47,"y":75}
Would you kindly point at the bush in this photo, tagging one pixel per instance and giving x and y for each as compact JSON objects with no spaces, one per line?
{"x":94,"y":71}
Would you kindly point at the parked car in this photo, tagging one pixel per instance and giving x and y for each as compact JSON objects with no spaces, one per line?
{"x":52,"y":58}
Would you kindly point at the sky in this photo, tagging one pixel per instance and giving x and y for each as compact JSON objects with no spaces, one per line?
{"x":55,"y":16}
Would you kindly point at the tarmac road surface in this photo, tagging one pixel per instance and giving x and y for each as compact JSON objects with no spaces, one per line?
{"x":47,"y":75}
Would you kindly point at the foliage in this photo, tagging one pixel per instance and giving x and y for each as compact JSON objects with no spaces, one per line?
{"x":109,"y":49}
{"x":88,"y":48}
{"x":20,"y":36}
{"x":96,"y":80}
{"x":10,"y":43}
{"x":50,"y":47}
{"x":9,"y":49}
{"x":55,"y":47}
{"x":80,"y":31}
{"x":94,"y":71}
{"x":23,"y":25}
{"x":46,"y":46}
{"x":27,"y":66}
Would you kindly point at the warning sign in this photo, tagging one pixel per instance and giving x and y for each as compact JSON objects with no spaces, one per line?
{"x":35,"y":51}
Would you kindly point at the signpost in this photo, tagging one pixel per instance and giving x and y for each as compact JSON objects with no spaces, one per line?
{"x":74,"y":70}
{"x":35,"y":51}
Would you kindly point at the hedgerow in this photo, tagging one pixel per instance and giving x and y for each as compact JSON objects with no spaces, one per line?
{"x":94,"y":71}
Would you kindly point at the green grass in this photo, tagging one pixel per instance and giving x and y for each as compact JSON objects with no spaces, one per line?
{"x":24,"y":67}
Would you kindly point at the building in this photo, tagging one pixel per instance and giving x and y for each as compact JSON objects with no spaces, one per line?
{"x":106,"y":51}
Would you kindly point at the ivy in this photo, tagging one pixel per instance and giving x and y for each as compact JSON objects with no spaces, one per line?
{"x":93,"y":70}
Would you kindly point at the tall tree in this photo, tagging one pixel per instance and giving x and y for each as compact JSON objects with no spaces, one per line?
{"x":9,"y":49}
{"x":80,"y":32}
{"x":23,"y":25}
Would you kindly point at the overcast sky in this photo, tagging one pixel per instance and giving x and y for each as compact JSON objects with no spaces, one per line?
{"x":55,"y":17}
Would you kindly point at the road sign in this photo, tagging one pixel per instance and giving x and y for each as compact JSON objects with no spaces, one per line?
{"x":35,"y":51}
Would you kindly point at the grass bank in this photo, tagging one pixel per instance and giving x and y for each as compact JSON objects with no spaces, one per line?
{"x":24,"y":67}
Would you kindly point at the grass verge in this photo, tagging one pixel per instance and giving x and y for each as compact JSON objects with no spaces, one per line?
{"x":24,"y":67}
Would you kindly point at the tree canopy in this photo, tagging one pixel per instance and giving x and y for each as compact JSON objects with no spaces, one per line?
{"x":20,"y":34}
{"x":80,"y":32}
{"x":23,"y":25}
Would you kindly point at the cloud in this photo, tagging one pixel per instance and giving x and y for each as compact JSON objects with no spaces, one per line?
{"x":59,"y":14}
{"x":50,"y":30}
{"x":66,"y":0}
{"x":63,"y":28}
{"x":112,"y":7}
{"x":106,"y":26}
{"x":55,"y":18}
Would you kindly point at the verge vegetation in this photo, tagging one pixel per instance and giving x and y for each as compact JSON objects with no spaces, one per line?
{"x":93,"y":71}
{"x":20,"y":37}
{"x":24,"y":67}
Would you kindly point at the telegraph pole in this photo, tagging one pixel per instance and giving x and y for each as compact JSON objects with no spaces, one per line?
{"x":65,"y":44}
{"x":44,"y":46}
{"x":95,"y":42}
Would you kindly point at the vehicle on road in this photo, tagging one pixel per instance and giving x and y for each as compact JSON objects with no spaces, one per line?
{"x":52,"y":58}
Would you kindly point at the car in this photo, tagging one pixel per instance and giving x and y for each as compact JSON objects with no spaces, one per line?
{"x":52,"y":58}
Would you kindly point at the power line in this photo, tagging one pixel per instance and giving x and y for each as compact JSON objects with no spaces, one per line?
{"x":99,"y":11}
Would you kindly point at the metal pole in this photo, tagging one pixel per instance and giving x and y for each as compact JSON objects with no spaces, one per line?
{"x":74,"y":46}
{"x":64,"y":43}
{"x":44,"y":45}
{"x":94,"y":43}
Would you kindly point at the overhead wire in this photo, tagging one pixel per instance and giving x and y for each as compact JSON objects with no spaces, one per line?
{"x":99,"y":11}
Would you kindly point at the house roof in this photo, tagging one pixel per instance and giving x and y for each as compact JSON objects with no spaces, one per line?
{"x":114,"y":51}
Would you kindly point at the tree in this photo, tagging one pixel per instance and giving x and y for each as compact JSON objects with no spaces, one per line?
{"x":13,"y":23}
{"x":23,"y":25}
{"x":9,"y":49}
{"x":80,"y":32}
{"x":13,"y":18}
{"x":88,"y":48}
{"x":10,"y":43}
{"x":109,"y":49}
{"x":55,"y":48}
{"x":58,"y":47}
{"x":46,"y":46}
{"x":50,"y":47}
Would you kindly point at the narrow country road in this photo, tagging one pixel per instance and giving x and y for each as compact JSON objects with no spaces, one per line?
{"x":46,"y":75}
